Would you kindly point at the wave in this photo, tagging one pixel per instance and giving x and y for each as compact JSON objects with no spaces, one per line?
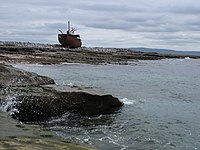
{"x":126,"y":101}
{"x":187,"y":57}
{"x":71,"y":84}
{"x":66,"y":63}
{"x":8,"y":105}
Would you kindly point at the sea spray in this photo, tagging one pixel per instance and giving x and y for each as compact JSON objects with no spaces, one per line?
{"x":8,"y":101}
{"x":127,"y":101}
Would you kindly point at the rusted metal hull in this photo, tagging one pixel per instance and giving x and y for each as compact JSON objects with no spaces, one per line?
{"x":69,"y":41}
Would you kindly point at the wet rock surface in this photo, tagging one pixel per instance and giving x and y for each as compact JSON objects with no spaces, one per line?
{"x":29,"y":98}
{"x":22,"y":95}
{"x":34,"y":104}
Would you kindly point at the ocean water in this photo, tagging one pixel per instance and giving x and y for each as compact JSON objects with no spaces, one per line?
{"x":161,"y":111}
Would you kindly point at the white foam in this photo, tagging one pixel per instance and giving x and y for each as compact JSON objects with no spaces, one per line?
{"x":66,"y":63}
{"x":9,"y":105}
{"x":187,"y":57}
{"x":126,"y":101}
{"x":71,"y":84}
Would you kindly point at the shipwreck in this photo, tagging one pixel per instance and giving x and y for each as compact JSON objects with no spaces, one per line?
{"x":69,"y":39}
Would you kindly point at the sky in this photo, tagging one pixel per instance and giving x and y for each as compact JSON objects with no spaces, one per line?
{"x":170,"y":24}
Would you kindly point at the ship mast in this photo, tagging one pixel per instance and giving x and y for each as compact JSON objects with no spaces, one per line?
{"x":69,"y":27}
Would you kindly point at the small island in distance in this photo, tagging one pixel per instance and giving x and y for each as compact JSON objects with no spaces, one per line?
{"x":166,"y":51}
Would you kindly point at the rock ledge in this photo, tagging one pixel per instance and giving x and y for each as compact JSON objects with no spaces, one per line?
{"x":24,"y":97}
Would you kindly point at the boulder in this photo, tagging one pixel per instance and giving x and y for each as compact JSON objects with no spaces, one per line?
{"x":45,"y":104}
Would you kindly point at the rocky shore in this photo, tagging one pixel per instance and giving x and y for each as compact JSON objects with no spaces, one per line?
{"x":15,"y":135}
{"x":32,"y":98}
{"x":19,"y":52}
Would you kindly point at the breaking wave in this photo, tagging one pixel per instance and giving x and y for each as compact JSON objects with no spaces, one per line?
{"x":126,"y":101}
{"x":8,"y":105}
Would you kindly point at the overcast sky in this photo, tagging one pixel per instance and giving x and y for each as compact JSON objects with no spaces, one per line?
{"x":173,"y":24}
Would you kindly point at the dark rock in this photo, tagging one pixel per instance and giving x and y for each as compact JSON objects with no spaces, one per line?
{"x":22,"y":95}
{"x":47,"y":104}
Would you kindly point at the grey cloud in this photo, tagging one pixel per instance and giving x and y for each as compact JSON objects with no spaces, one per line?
{"x":183,"y":9}
{"x":152,"y":20}
{"x":130,"y":19}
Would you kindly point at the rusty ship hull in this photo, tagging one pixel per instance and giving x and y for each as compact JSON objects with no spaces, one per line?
{"x":69,"y":41}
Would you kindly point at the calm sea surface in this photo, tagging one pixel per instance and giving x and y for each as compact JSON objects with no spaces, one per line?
{"x":162,"y":104}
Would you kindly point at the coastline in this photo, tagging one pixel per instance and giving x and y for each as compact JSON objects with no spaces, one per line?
{"x":20,"y":52}
{"x":17,"y":52}
{"x":17,"y":135}
{"x":32,"y":98}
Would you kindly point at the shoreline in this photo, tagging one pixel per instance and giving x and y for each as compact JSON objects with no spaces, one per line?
{"x":17,"y":135}
{"x":33,"y":53}
{"x":31,"y":98}
{"x":45,"y":54}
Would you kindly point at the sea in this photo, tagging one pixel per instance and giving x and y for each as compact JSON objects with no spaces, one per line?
{"x":161,"y":97}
